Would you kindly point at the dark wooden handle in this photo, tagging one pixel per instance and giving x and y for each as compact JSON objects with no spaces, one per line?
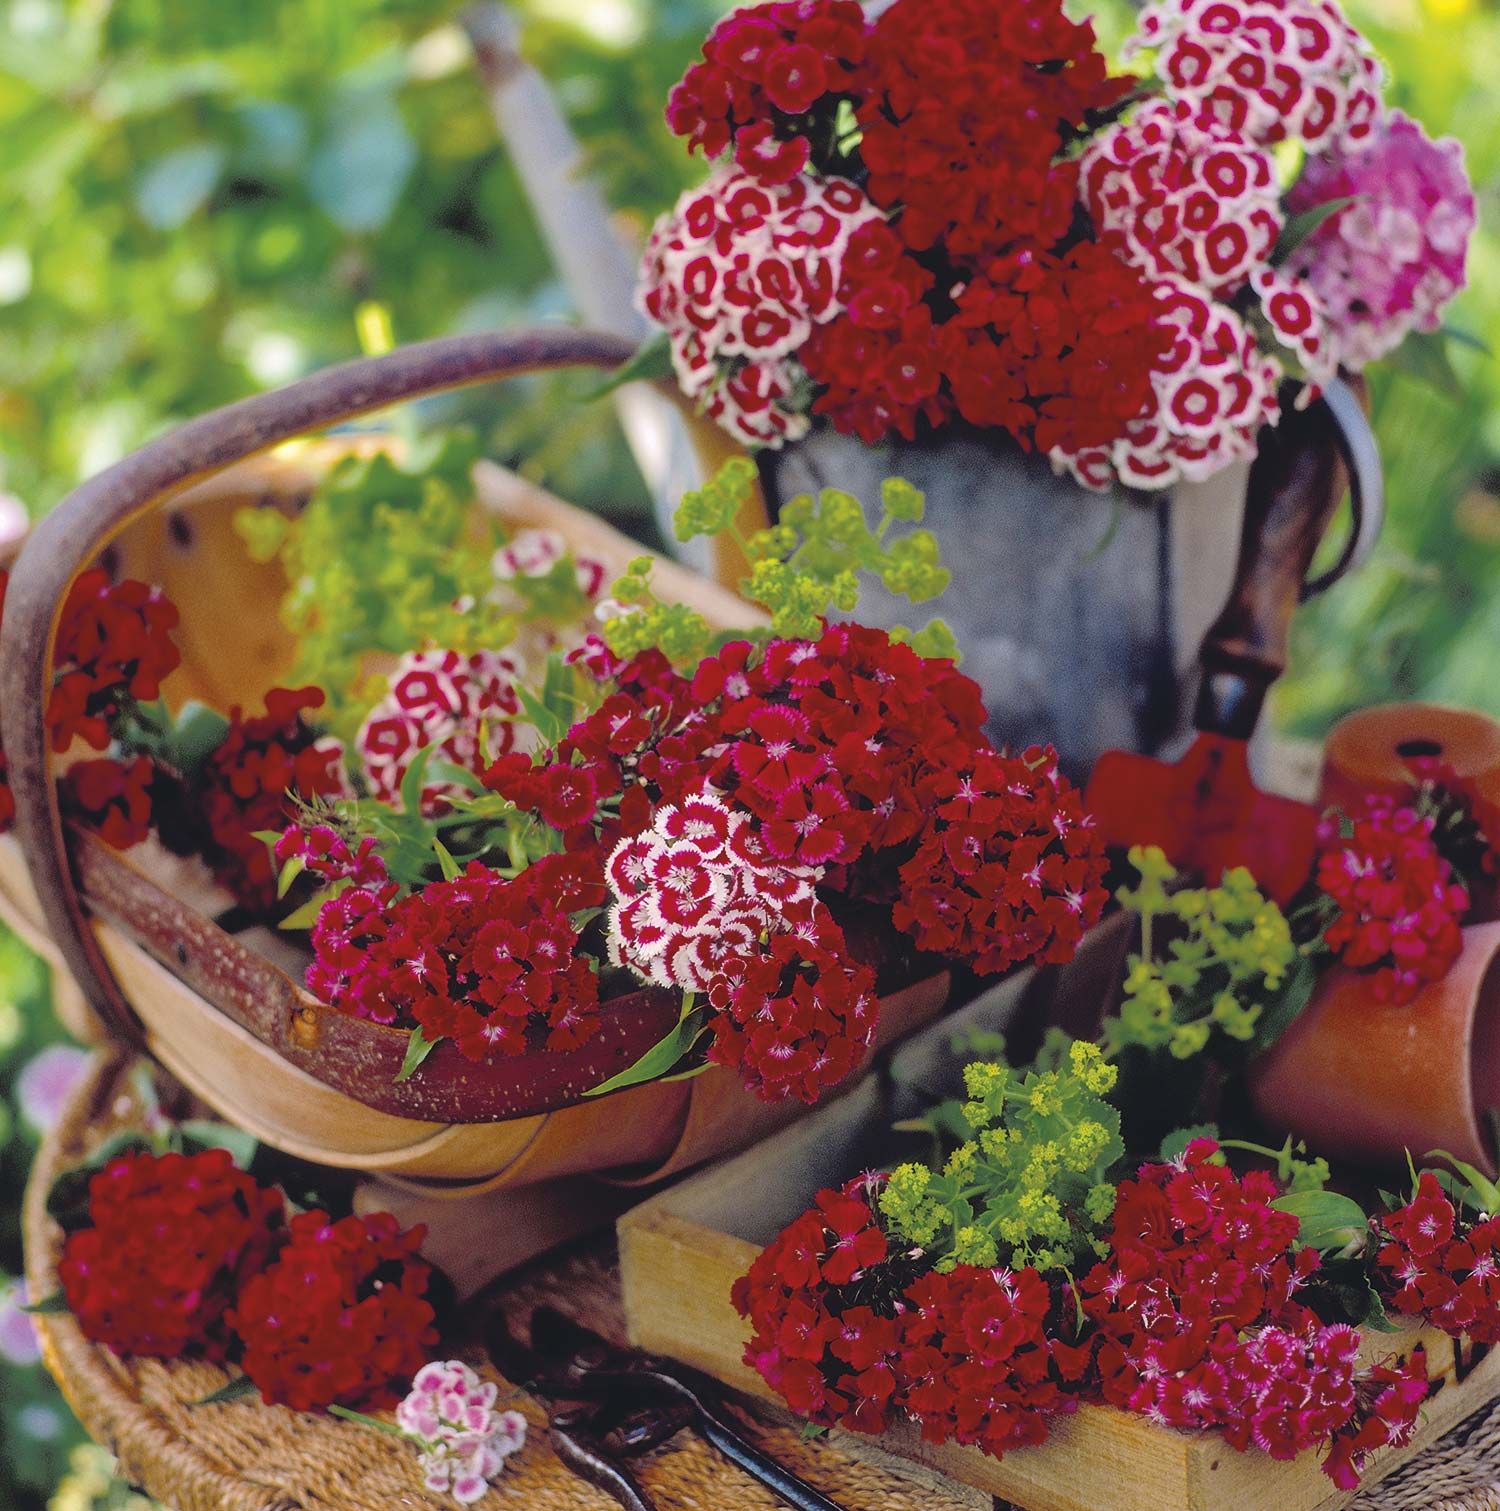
{"x":1300,"y":474}
{"x":74,"y":533}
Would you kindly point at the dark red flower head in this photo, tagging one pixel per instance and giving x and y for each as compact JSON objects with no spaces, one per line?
{"x":342,"y":1315}
{"x":171,"y":1241}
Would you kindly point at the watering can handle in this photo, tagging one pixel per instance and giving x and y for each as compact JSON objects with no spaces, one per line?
{"x":1296,"y":483}
{"x":85,"y":522}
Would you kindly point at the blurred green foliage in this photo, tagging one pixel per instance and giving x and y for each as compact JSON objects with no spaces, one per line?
{"x":202,"y":198}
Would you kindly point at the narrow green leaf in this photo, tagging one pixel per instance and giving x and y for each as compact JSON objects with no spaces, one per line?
{"x":1425,"y":356}
{"x":1287,"y":1006}
{"x":49,"y":1306}
{"x":288,"y":875}
{"x":549,"y":724}
{"x":1176,"y":1142}
{"x":1330,"y":1223}
{"x":450,"y":773}
{"x":236,"y":1390}
{"x":1482,"y":1192}
{"x":198,"y":732}
{"x":417,"y":1050}
{"x":1300,"y":227}
{"x":450,"y":868}
{"x":661,"y":1059}
{"x":199,"y":1134}
{"x":1467,"y":338}
{"x":307,"y":915}
{"x":652,"y":361}
{"x":416,"y":779}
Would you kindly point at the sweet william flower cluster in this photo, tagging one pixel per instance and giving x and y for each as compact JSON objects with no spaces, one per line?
{"x":188,"y":1256}
{"x":1193,"y":1315}
{"x":1130,"y":309}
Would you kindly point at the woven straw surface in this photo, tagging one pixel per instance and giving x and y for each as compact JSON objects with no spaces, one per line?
{"x":244,"y":1456}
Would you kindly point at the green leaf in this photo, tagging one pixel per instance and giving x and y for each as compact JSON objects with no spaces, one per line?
{"x":1300,"y":227}
{"x":68,"y":1200}
{"x":1288,"y":1005}
{"x":1175,"y":1143}
{"x":450,"y":868}
{"x":236,"y":1390}
{"x":417,"y":1050}
{"x":199,"y":1134}
{"x":288,"y":875}
{"x":307,"y":915}
{"x":1330,"y":1223}
{"x":663,"y":1056}
{"x":1467,"y":338}
{"x":49,"y":1306}
{"x":1425,"y":356}
{"x":549,"y":724}
{"x":1482,"y":1192}
{"x":197,"y":733}
{"x":416,"y":779}
{"x":651,"y":363}
{"x":812,"y":1431}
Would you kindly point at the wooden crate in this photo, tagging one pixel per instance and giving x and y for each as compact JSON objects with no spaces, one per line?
{"x":681,"y":1251}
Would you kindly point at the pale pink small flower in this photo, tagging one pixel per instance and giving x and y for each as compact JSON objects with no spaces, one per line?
{"x":462,"y":1440}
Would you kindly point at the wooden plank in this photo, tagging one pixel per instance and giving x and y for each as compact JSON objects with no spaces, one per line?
{"x":681,"y":1252}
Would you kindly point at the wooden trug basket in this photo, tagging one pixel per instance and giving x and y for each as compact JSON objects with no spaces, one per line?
{"x":222,"y":1012}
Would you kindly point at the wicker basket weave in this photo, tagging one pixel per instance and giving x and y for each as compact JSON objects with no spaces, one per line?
{"x":244,"y":1456}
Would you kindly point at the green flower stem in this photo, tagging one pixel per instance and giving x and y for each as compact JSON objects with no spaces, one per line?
{"x":389,"y":1428}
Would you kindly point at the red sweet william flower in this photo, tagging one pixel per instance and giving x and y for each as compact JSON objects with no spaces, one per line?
{"x":1397,"y":904}
{"x":974,"y":1363}
{"x":1388,"y":1405}
{"x":325,"y":854}
{"x":795,"y":1015}
{"x":488,"y":961}
{"x":762,"y":64}
{"x":1008,"y":866}
{"x":1441,"y":1268}
{"x":830,"y":1356}
{"x":114,"y":641}
{"x":247,"y":783}
{"x":113,"y":798}
{"x":171,"y":1241}
{"x":963,"y":121}
{"x":342,"y":1315}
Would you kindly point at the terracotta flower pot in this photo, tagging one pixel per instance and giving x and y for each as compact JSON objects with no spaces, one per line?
{"x":1368,"y":1081}
{"x":1370,"y":751}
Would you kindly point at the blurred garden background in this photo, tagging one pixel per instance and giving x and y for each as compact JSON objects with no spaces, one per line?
{"x":200,"y":199}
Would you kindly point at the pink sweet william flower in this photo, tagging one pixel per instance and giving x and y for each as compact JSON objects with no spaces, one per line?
{"x":1389,"y":263}
{"x":739,"y":274}
{"x":1182,"y":195}
{"x":1276,"y":70}
{"x":1213,"y":390}
{"x":462,"y":1440}
{"x":464,"y":708}
{"x":698,"y":889}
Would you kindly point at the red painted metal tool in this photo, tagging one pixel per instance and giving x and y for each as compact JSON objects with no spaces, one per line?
{"x":1205,"y":810}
